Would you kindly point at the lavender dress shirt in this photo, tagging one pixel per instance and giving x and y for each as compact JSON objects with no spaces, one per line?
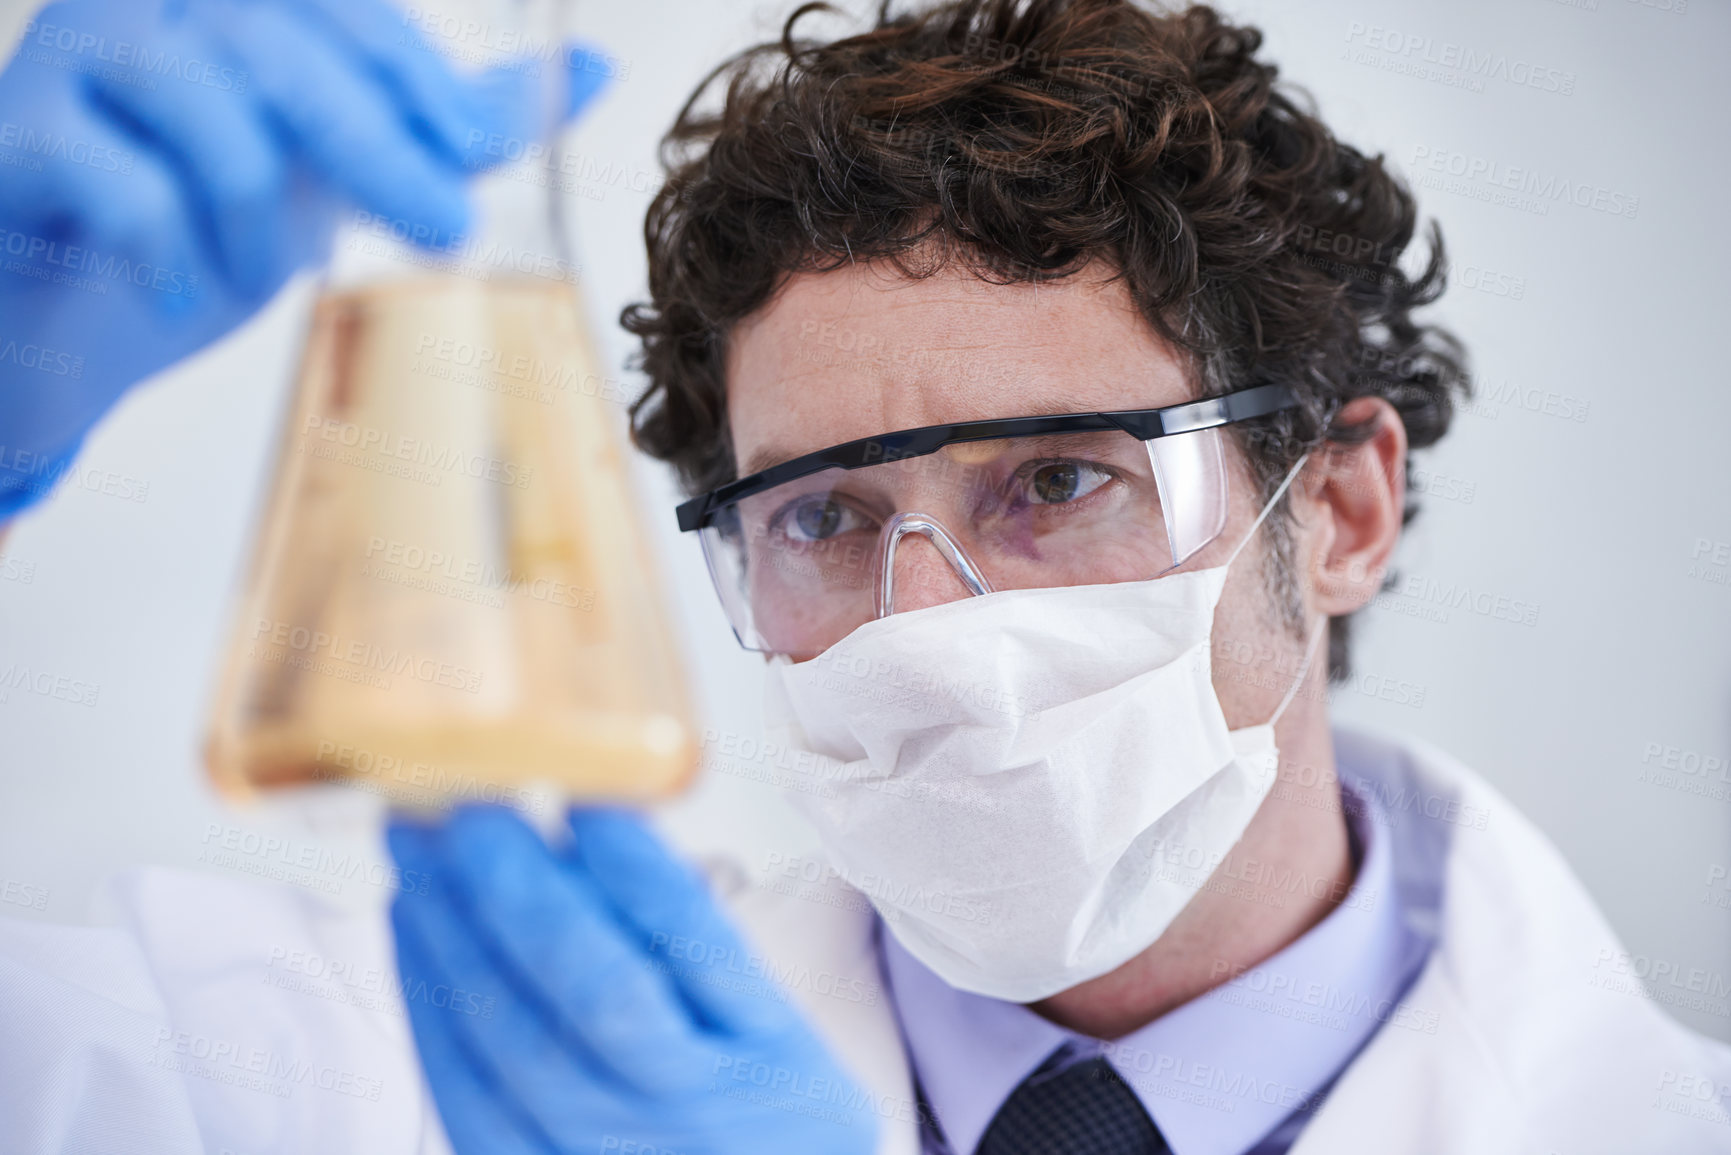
{"x":1235,"y":1071}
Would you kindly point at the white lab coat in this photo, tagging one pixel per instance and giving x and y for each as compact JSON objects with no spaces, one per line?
{"x":1518,"y":1043}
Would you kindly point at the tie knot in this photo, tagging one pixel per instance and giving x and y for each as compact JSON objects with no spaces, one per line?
{"x":1072,"y":1106}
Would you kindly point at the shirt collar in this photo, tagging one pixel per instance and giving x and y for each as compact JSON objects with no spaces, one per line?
{"x":1219,"y":1072}
{"x":969,"y":1051}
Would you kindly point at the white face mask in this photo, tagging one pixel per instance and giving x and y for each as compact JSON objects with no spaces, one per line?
{"x":1017,"y":767}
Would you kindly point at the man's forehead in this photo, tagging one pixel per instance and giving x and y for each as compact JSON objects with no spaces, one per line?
{"x":856,"y":352}
{"x":877,"y":292}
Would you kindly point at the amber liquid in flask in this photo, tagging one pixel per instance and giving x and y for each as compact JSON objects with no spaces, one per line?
{"x":450,"y":594}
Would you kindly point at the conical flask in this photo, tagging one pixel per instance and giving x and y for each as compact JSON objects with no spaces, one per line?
{"x":451,"y":594}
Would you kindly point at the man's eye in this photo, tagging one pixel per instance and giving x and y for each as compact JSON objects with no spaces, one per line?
{"x":820,"y":518}
{"x":1060,"y":481}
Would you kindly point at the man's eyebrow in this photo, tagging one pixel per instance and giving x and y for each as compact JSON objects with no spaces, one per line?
{"x":765,"y":458}
{"x":770,"y":456}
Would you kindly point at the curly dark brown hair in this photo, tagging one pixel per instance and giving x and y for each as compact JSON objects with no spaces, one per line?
{"x":1023,"y":139}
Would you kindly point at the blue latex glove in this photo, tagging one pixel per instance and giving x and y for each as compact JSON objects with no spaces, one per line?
{"x":165,"y":165}
{"x":565,"y":1024}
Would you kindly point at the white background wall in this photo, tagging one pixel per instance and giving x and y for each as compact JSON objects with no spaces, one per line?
{"x":1595,"y":522}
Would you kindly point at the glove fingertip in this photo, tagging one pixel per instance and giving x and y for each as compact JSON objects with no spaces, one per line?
{"x":584,"y":86}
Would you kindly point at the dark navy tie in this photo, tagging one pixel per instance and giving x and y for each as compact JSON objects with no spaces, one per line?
{"x":1083,"y":1108}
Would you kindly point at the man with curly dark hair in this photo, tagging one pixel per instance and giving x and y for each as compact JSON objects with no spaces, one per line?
{"x":1044,"y":376}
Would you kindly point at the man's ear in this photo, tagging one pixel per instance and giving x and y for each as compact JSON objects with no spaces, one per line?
{"x":1355,"y":495}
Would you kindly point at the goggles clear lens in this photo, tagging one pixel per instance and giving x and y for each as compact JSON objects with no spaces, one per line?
{"x":803,"y":564}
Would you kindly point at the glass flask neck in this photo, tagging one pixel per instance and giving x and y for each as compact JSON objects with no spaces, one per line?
{"x":517,"y":221}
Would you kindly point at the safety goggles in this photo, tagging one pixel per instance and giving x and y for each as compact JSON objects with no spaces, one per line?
{"x":803,"y":553}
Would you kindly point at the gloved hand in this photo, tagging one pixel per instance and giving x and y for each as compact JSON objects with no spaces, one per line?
{"x":165,"y":165}
{"x":567,"y":1026}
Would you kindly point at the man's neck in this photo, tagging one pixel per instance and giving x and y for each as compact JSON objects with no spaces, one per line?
{"x":1250,"y":909}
